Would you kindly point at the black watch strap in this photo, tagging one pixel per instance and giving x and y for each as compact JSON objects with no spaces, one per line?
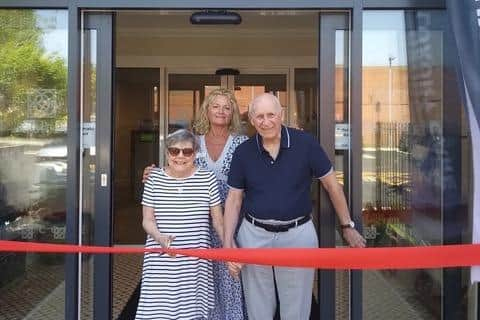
{"x":350,"y":225}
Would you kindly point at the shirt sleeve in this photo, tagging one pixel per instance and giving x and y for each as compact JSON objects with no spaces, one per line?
{"x":213,"y":190}
{"x":148,"y":195}
{"x":236,"y":176}
{"x":319,"y":162}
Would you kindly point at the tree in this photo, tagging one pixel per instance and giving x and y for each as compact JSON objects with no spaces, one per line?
{"x":26,"y":66}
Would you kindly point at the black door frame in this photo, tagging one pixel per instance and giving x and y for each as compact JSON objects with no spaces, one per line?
{"x":329,"y":23}
{"x":75,"y":7}
{"x":102,"y":225}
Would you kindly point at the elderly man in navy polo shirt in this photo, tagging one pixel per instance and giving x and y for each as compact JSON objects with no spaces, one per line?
{"x":270,"y":178}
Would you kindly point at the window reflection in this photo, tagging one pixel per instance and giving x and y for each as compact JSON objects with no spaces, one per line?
{"x":402,"y":125}
{"x":33,"y":158}
{"x":411,"y":124}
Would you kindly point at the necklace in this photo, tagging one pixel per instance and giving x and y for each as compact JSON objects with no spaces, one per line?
{"x":180,"y":187}
{"x":179,"y":182}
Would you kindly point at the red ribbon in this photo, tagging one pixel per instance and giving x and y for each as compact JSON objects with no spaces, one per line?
{"x":319,"y":258}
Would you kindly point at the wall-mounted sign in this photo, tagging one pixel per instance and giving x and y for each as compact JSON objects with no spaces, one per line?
{"x":342,"y":136}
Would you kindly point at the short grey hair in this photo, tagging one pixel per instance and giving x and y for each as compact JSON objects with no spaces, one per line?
{"x":264,"y":97}
{"x":182,"y":135}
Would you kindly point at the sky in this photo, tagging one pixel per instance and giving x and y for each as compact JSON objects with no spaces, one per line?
{"x":384,"y":37}
{"x":54,"y":24}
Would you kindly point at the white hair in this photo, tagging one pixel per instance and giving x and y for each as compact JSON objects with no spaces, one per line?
{"x":267,"y":97}
{"x":182,"y":135}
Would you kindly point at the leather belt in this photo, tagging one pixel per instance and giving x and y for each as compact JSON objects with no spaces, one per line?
{"x":278,"y":227}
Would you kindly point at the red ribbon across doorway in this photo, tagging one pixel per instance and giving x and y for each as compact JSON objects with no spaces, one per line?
{"x":320,"y":258}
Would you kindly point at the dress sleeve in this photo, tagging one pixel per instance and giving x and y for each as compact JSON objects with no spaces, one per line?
{"x":242,"y":138}
{"x":213,"y":190}
{"x":238,"y":140}
{"x":148,"y":195}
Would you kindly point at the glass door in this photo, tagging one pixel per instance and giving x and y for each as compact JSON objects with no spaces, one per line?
{"x":250,"y":83}
{"x":415,"y":150}
{"x":186,"y":92}
{"x":34,"y":155}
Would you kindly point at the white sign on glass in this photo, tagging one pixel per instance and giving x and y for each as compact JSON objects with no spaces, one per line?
{"x":342,"y":136}
{"x":88,"y":134}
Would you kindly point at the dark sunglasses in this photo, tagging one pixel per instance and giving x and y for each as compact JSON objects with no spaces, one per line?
{"x":187,"y":152}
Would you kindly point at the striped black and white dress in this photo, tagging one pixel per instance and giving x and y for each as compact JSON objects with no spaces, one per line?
{"x":181,"y":287}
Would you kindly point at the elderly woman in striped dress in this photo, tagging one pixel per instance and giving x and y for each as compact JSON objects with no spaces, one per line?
{"x":178,"y":202}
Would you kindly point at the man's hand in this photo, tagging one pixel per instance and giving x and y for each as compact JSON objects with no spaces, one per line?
{"x":353,"y":238}
{"x":233,"y":203}
{"x":146,"y":172}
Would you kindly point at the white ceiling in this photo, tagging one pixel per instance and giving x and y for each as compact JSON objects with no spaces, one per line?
{"x":168,"y":38}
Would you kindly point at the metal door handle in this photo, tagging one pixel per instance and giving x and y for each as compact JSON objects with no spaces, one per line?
{"x":103,"y":180}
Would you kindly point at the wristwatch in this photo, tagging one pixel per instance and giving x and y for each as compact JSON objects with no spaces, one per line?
{"x":351,"y":225}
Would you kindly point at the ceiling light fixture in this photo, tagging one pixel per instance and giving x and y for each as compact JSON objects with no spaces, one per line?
{"x":215,"y":17}
{"x":227,"y":72}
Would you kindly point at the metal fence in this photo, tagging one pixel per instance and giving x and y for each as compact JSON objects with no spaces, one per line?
{"x":393,"y":165}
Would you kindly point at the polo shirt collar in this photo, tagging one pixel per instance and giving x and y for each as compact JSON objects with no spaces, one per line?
{"x":284,"y":139}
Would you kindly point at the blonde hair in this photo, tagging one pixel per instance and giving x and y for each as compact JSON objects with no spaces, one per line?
{"x":202,"y":124}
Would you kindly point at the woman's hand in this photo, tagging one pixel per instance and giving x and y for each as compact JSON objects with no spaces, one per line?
{"x":164,"y":240}
{"x":149,"y":224}
{"x":234,"y":269}
{"x":146,"y":172}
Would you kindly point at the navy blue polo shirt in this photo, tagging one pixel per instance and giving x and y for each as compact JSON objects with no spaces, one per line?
{"x":278,"y":189}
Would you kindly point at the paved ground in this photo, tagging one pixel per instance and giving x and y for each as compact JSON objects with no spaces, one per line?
{"x":40,"y":294}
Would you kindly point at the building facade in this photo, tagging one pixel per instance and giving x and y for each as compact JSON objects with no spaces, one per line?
{"x":89,"y":90}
